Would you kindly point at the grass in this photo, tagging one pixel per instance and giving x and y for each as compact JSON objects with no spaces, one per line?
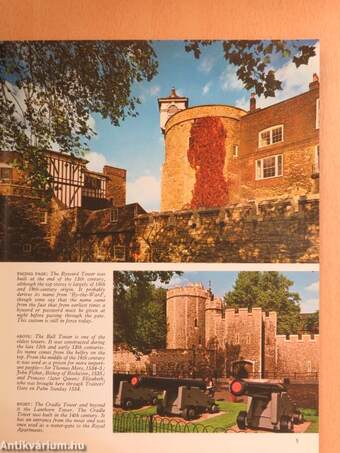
{"x":228,"y":418}
{"x":311,"y":416}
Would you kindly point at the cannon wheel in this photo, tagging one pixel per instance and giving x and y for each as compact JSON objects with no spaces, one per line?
{"x":298,"y":418}
{"x":242,"y":420}
{"x":154,"y":401}
{"x":128,"y":404}
{"x":189,"y":413}
{"x":213,"y":409}
{"x":286,"y":424}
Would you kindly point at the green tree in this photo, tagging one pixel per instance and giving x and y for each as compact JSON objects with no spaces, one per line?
{"x":310,"y":322}
{"x":270,"y":291}
{"x":254,"y":60}
{"x":140,"y":309}
{"x":48,"y":89}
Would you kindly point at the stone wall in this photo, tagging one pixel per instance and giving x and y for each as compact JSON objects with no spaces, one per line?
{"x":115,"y":185}
{"x":297,"y":354}
{"x":280,"y":230}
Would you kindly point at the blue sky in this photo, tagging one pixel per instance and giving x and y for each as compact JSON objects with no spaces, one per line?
{"x":137,"y":144}
{"x":305,"y":283}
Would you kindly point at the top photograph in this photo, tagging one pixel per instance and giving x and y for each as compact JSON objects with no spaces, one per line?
{"x":160,"y":151}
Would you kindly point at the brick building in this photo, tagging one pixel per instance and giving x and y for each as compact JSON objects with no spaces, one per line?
{"x":237,"y":186}
{"x":217,"y":155}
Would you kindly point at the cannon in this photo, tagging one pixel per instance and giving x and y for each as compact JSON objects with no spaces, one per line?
{"x":187,"y":398}
{"x":269,"y":405}
{"x":127,"y":396}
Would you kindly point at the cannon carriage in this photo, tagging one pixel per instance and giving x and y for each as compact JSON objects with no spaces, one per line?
{"x":187,"y":398}
{"x":269,"y":405}
{"x":127,"y":396}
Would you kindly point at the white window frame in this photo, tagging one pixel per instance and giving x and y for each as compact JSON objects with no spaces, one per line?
{"x":317,"y":158}
{"x":235,"y":151}
{"x":114,"y":215}
{"x":43,"y":217}
{"x":317,"y":114}
{"x":270,"y":130}
{"x":277,"y":175}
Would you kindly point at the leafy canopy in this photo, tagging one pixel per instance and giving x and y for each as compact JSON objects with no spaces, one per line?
{"x":271,"y":292}
{"x":140,"y":309}
{"x":48,"y":89}
{"x":254,"y":60}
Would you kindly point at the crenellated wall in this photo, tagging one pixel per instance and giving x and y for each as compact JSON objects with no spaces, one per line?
{"x":276,"y":230}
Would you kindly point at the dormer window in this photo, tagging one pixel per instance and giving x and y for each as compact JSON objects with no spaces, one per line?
{"x":271,"y":136}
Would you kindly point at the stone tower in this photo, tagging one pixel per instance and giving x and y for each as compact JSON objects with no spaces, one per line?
{"x":170,"y":105}
{"x":185,"y":310}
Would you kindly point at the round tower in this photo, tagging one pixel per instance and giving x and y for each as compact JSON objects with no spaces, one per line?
{"x":185,"y":310}
{"x":214,"y":325}
{"x":200,"y":142}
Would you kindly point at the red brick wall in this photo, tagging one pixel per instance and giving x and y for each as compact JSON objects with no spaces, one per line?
{"x":115,"y":185}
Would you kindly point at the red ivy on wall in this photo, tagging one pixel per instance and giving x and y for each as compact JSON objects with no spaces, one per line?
{"x":206,"y":155}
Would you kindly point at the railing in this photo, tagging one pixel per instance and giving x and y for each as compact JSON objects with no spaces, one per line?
{"x":124,"y":422}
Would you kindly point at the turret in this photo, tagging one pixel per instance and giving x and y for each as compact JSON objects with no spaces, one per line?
{"x":170,"y":105}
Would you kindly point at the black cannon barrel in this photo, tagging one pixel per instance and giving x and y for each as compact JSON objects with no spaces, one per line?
{"x":117,"y":377}
{"x":166,"y":383}
{"x":241,"y":387}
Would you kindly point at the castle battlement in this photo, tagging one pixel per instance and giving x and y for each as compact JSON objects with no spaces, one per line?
{"x":194,"y":290}
{"x":304,"y":338}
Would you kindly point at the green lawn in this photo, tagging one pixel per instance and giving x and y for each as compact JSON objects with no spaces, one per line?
{"x":228,"y":418}
{"x":311,"y":416}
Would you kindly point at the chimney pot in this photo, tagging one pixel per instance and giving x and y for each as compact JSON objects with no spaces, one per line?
{"x":252,"y":103}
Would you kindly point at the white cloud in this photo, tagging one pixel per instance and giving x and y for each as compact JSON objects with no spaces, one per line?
{"x":206,"y":64}
{"x":178,"y":280}
{"x":154,"y":90}
{"x":91,"y":122}
{"x":313,"y":287}
{"x":229,"y":80}
{"x":242,"y":103}
{"x":206,"y":88}
{"x":96,"y":161}
{"x":145,"y":190}
{"x":309,"y":305}
{"x":294,"y":80}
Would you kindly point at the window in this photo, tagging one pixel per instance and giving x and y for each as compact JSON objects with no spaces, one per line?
{"x":269,"y":167}
{"x":196,"y":323}
{"x":235,"y":150}
{"x":309,"y":366}
{"x":316,"y":168}
{"x":5,"y":173}
{"x":317,"y":114}
{"x":114,"y":215}
{"x":27,"y":248}
{"x":119,"y":253}
{"x":271,"y":136}
{"x":248,"y":338}
{"x":237,"y":338}
{"x":42,"y":217}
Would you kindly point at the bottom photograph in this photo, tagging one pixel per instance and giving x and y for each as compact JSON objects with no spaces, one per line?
{"x":215,"y":351}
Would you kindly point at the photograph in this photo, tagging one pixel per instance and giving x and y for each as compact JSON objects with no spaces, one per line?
{"x":160,"y":151}
{"x":216,"y":351}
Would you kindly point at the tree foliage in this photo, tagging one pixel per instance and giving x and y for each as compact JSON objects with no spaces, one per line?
{"x":140,"y":309}
{"x":254,"y":60}
{"x":48,"y":89}
{"x":270,"y":291}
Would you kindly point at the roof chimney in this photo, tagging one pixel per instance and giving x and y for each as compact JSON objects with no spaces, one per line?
{"x":315,"y":83}
{"x":252,"y":103}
